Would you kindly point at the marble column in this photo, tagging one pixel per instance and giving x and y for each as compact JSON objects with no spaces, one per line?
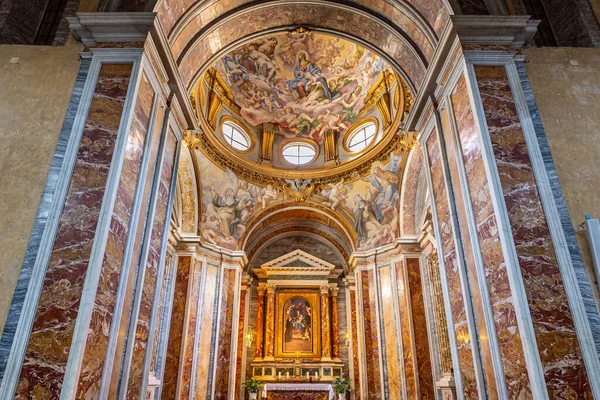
{"x":260,"y":322}
{"x":335,"y":327}
{"x":325,"y":325}
{"x":270,"y":327}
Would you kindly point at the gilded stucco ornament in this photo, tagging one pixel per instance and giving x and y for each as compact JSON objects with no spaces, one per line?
{"x":402,"y":142}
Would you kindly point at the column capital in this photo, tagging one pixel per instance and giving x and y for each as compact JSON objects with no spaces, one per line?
{"x":324,"y":289}
{"x":271,"y":287}
{"x":261,"y":290}
{"x":334,"y":291}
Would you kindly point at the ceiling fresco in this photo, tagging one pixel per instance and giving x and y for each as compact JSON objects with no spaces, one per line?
{"x":305,"y":82}
{"x":369,"y":203}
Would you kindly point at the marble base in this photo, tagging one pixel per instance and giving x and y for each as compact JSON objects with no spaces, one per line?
{"x":447,"y":386}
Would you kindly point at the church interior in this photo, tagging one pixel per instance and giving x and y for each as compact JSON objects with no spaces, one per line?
{"x":299,"y":199}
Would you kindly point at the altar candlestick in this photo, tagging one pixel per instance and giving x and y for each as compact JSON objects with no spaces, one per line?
{"x":306,"y":375}
{"x":279,"y":374}
{"x":287,"y":375}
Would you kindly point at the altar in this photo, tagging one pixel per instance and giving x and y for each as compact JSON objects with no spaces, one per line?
{"x":298,"y":391}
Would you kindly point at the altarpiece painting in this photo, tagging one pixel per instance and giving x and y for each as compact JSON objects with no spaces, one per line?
{"x":298,"y":324}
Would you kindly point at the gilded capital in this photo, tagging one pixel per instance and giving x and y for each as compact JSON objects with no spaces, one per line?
{"x":334,"y":291}
{"x":262,"y":290}
{"x":325,"y":289}
{"x":271,"y":288}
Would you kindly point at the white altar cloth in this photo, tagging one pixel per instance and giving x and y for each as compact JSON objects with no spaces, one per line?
{"x":299,"y":387}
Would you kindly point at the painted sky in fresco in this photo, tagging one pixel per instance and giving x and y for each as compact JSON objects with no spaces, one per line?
{"x":307,"y":83}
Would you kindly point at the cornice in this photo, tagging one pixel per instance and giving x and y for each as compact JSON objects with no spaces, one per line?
{"x":512,"y":32}
{"x":121,"y":27}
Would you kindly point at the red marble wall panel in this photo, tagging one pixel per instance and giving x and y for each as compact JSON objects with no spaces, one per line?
{"x":371,"y":338}
{"x":190,"y":329}
{"x":206,"y":332}
{"x":97,"y":339}
{"x":137,"y":248}
{"x":390,"y":334}
{"x":409,"y":192}
{"x":177,"y":327}
{"x":507,"y":330}
{"x":151,"y":266}
{"x":564,"y":369}
{"x":419,"y":323}
{"x":240,"y":340}
{"x":355,"y":355}
{"x":223,"y":354}
{"x":47,"y":352}
{"x":405,"y":330}
{"x":467,"y":244}
{"x":457,"y":305}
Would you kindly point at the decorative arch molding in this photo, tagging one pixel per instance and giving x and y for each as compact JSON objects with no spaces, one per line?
{"x":408,"y":196}
{"x":198,"y":46}
{"x":187,"y":182}
{"x":293,"y":229}
{"x":179,"y":17}
{"x":318,"y":215}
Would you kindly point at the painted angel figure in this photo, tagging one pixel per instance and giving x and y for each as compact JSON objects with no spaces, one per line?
{"x":337,"y":195}
{"x":269,"y":193}
{"x":384,"y":182}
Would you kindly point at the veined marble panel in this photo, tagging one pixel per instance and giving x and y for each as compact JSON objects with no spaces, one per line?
{"x":390,"y":334}
{"x":509,"y":340}
{"x":468,"y":247}
{"x":459,"y":317}
{"x":551,"y":316}
{"x":227,"y":307}
{"x":106,"y":293}
{"x":151,"y":267}
{"x":50,"y":341}
{"x":419,"y":323}
{"x":371,"y":339}
{"x":240,"y":340}
{"x":409,"y":189}
{"x":206,"y":333}
{"x":408,"y":356}
{"x":189,"y":329}
{"x":561,"y":205}
{"x":355,"y":355}
{"x":41,"y":219}
{"x":176,"y":331}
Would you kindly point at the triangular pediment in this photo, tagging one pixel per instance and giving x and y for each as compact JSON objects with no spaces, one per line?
{"x":297,"y":262}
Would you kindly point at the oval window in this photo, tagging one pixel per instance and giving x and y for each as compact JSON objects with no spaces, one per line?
{"x":362,"y":138}
{"x":235,"y":136}
{"x":299,"y":153}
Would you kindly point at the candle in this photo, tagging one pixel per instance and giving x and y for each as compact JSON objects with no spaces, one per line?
{"x":306,"y":374}
{"x":279,"y":374}
{"x":287,"y":375}
{"x":317,"y":375}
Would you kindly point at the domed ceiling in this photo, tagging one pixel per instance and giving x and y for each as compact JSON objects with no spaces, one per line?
{"x":305,"y":82}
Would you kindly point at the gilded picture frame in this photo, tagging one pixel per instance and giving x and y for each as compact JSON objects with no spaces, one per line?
{"x":298,"y":327}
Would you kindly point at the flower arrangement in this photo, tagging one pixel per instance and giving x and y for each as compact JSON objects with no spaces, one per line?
{"x":252,"y":386}
{"x":341,"y":385}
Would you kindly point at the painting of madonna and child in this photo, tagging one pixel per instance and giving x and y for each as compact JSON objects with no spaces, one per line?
{"x":307,"y":83}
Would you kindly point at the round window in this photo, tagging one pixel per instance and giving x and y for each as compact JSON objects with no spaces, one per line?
{"x":361,"y":138}
{"x":235,"y":136}
{"x":299,"y":153}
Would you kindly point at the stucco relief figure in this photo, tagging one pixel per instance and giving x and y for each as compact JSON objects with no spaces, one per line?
{"x":306,"y":83}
